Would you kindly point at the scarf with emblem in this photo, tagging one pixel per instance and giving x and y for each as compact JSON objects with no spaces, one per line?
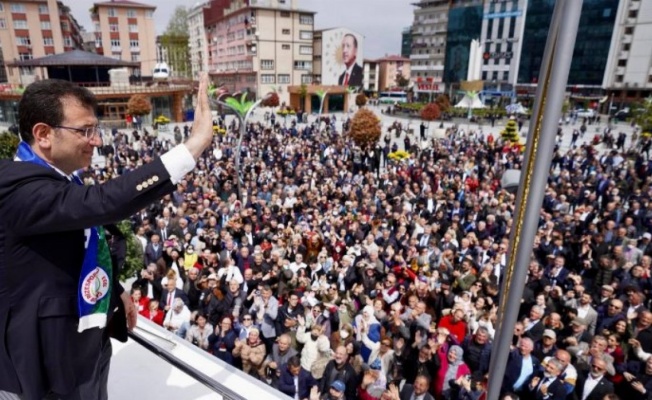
{"x":95,"y":279}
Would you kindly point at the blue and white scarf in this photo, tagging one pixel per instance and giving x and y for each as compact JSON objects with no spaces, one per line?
{"x":95,"y":280}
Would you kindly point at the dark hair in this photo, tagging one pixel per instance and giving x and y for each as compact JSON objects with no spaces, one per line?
{"x":42,"y":103}
{"x":352,"y":36}
{"x":294,"y":361}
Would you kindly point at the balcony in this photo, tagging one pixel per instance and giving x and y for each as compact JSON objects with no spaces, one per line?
{"x":623,"y":55}
{"x":627,"y":38}
{"x":419,"y":56}
{"x":134,"y":49}
{"x":620,"y":70}
{"x":630,"y":21}
{"x":427,"y":68}
{"x":116,"y":48}
{"x":634,"y":5}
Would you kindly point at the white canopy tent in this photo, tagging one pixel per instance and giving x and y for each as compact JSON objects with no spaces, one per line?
{"x":470,"y":101}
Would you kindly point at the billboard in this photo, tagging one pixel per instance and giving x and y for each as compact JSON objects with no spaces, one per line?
{"x":342,"y":55}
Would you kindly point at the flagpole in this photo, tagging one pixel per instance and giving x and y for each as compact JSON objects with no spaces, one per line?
{"x":553,"y":78}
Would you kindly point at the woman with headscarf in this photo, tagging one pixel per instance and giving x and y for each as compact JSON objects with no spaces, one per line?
{"x":452,"y":368}
{"x":368,"y":323}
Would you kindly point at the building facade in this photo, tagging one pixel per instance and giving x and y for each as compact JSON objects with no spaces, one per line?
{"x":428,"y":49}
{"x":594,"y":39}
{"x":197,"y":44}
{"x":503,"y":23}
{"x":389,"y":68}
{"x":32,"y":29}
{"x":406,"y":42}
{"x":464,"y":25}
{"x":371,"y":76}
{"x":259,"y":45}
{"x":628,"y":75}
{"x":125,"y":30}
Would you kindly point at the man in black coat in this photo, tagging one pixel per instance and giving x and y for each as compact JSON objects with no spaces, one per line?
{"x":340,"y":369}
{"x":593,"y":385}
{"x":41,"y":348}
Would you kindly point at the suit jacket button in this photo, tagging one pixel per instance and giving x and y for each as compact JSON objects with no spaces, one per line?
{"x":155,"y":178}
{"x":145,"y":185}
{"x":139,"y":187}
{"x":150,"y":181}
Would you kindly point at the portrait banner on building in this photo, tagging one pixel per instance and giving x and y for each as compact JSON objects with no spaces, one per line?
{"x":342,"y":57}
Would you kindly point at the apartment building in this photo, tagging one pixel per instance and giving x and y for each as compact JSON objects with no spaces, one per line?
{"x":503,"y":23}
{"x":371,"y":70}
{"x":125,"y":30}
{"x":628,"y":75}
{"x":32,"y":29}
{"x":389,"y":68}
{"x":197,"y":44}
{"x":259,"y":45}
{"x":429,"y":45}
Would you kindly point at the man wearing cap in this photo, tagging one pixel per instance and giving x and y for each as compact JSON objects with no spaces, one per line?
{"x":335,"y":391}
{"x":546,"y":347}
{"x":576,"y":334}
{"x":339,"y":371}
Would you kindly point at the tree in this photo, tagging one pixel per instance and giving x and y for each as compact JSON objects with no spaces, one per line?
{"x":365,"y":129}
{"x":430,"y":112}
{"x":642,"y":113}
{"x":134,"y":260}
{"x":178,"y":23}
{"x":272,"y":100}
{"x":139,"y":105}
{"x":175,"y":52}
{"x":401,"y":81}
{"x":360,"y":100}
{"x":443,"y":102}
{"x":510,"y":132}
{"x":8,"y":145}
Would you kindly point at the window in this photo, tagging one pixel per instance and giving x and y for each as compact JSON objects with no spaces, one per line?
{"x":629,"y":30}
{"x":134,"y":44}
{"x":267,"y":78}
{"x":115,"y":42}
{"x":98,"y":42}
{"x":307,"y":50}
{"x":64,"y":26}
{"x":23,"y":41}
{"x":112,"y":12}
{"x":285,"y":14}
{"x":307,"y":65}
{"x":305,"y":35}
{"x":135,"y":56}
{"x":17,"y":8}
{"x":3,"y":23}
{"x":48,"y":41}
{"x":45,"y":25}
{"x":149,"y":14}
{"x":283,"y":78}
{"x":307,"y":79}
{"x":67,"y":41}
{"x":20,"y":24}
{"x":505,"y":75}
{"x":2,"y":7}
{"x":266,"y":64}
{"x":285,"y":31}
{"x":305,"y":19}
{"x":113,"y":27}
{"x":131,"y":13}
{"x":133,"y":28}
{"x":43,"y":9}
{"x":285,"y":47}
{"x":25,"y":56}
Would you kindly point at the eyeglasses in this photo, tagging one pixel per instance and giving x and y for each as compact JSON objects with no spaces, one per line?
{"x":246,"y":319}
{"x":88,"y":132}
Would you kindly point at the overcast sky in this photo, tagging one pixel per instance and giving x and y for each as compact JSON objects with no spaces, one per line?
{"x":380,"y":21}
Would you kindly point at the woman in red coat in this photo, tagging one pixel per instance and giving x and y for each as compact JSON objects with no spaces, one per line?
{"x":153,"y":313}
{"x":141,"y":303}
{"x":452,"y":367}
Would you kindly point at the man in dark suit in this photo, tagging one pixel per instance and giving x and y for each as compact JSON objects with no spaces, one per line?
{"x":548,"y":386}
{"x":593,"y":385}
{"x":353,"y":75}
{"x":170,"y":293}
{"x":418,"y":390}
{"x":521,"y":366}
{"x":44,"y":347}
{"x":153,"y":250}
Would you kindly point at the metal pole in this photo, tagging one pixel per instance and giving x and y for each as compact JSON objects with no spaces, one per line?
{"x":541,"y":140}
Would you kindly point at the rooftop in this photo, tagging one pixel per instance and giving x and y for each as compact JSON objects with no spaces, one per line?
{"x":123,"y":3}
{"x":73,"y":58}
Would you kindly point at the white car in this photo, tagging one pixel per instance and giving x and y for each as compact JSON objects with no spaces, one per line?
{"x":585,"y":113}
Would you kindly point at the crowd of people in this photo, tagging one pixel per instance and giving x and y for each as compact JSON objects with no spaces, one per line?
{"x":341,"y":274}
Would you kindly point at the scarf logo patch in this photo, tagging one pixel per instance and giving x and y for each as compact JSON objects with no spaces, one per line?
{"x":95,"y":286}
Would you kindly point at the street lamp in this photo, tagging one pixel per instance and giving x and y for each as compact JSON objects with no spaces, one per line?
{"x":243,"y":110}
